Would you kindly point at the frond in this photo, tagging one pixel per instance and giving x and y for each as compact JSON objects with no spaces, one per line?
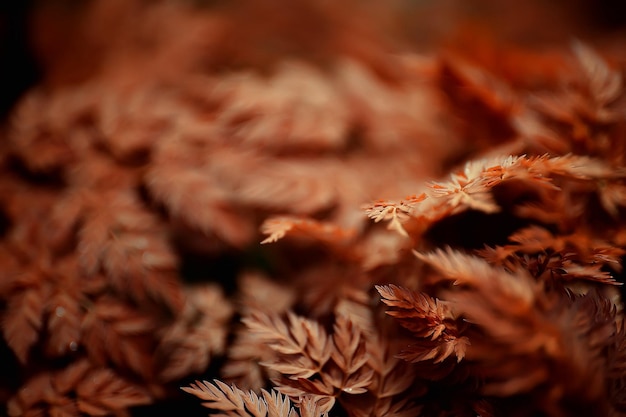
{"x":218,"y":396}
{"x":103,"y":392}
{"x":431,"y":321}
{"x":23,"y":320}
{"x":302,"y":343}
{"x":605,"y":83}
{"x":297,"y":108}
{"x":395,"y":212}
{"x":200,"y":332}
{"x":350,"y":355}
{"x":234,"y":402}
{"x":279,"y":227}
{"x":115,"y":331}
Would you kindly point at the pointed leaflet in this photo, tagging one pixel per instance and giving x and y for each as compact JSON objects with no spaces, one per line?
{"x":103,"y":392}
{"x":605,"y":84}
{"x":23,"y":319}
{"x":430,"y":320}
{"x":395,"y":212}
{"x":279,"y":227}
{"x":235,"y":402}
{"x":301,"y":344}
{"x":187,"y":345}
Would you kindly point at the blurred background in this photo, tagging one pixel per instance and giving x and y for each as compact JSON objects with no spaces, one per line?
{"x":63,"y":40}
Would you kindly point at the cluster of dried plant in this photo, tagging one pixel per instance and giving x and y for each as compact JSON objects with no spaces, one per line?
{"x":492,"y":289}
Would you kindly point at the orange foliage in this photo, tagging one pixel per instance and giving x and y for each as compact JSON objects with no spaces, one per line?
{"x":214,"y":192}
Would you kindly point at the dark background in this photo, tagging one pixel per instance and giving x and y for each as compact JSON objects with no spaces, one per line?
{"x":421,"y":21}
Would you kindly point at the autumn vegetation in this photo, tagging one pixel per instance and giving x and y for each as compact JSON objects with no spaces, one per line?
{"x":313,"y":208}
